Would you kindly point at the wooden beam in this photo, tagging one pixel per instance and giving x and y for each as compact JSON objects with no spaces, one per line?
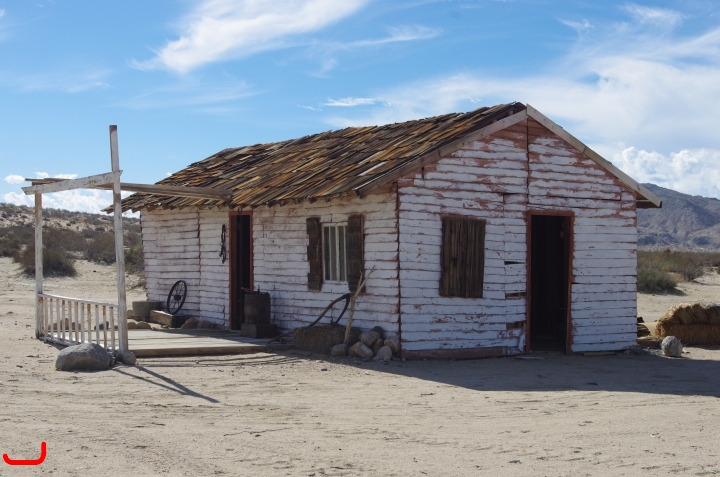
{"x":119,"y":246}
{"x":157,"y":189}
{"x":601,"y":161}
{"x":38,"y":266}
{"x":435,"y":155}
{"x":70,"y":184}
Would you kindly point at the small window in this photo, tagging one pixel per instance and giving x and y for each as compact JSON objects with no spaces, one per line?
{"x":334,"y":252}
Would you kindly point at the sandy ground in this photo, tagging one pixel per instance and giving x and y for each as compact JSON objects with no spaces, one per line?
{"x":300,"y":415}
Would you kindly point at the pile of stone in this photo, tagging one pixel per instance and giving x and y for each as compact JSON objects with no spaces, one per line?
{"x":372,"y":345}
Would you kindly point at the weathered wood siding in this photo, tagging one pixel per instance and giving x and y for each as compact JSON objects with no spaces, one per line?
{"x":604,"y":268}
{"x":281,"y":266}
{"x":185,"y":245}
{"x":498,"y":179}
{"x":472,"y":182}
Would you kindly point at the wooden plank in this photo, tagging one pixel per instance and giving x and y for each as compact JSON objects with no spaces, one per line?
{"x":88,"y":182}
{"x":38,"y":265}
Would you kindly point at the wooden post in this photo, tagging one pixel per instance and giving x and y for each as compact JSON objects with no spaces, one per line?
{"x":119,"y":251}
{"x":38,"y":265}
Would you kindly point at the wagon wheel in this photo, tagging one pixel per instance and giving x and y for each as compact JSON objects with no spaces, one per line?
{"x":176,"y":297}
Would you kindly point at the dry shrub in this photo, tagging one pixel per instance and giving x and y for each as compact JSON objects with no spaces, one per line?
{"x":689,"y":265}
{"x":56,"y":263}
{"x":650,"y":280}
{"x":691,"y":323}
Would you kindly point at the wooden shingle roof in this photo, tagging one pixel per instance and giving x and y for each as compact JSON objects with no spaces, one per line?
{"x":325,"y":165}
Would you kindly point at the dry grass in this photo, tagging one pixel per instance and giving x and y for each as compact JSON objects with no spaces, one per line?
{"x":657,"y":270}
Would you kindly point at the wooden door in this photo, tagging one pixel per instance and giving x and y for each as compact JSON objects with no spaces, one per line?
{"x":241,"y":266}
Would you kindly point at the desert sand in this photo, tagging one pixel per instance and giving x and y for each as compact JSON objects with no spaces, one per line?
{"x":296,"y":414}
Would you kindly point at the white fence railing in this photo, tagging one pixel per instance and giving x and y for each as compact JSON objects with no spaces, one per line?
{"x":70,"y":321}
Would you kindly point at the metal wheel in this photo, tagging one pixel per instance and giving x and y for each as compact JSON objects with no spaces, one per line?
{"x":176,"y":297}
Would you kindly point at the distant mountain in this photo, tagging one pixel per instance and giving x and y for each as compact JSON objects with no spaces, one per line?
{"x":688,"y":222}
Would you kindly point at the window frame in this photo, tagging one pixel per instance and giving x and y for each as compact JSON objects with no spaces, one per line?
{"x":340,"y":252}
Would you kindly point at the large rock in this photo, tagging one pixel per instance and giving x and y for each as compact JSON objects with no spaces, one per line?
{"x":339,"y":350}
{"x":379,"y":343}
{"x":360,"y":350}
{"x":131,"y":325}
{"x":86,"y":356}
{"x":672,"y":347}
{"x":379,"y":331}
{"x":189,"y":323}
{"x":383,"y":354}
{"x":394,"y":343}
{"x":369,"y":338}
{"x":127,"y":357}
{"x":142,"y":325}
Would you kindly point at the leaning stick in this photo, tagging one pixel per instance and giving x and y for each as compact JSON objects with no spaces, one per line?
{"x":348,"y":327}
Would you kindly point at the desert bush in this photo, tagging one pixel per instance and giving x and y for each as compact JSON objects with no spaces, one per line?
{"x":651,"y":280}
{"x":101,"y":248}
{"x":56,"y":263}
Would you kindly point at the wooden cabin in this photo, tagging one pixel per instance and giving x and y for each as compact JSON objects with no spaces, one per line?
{"x":489,"y":233}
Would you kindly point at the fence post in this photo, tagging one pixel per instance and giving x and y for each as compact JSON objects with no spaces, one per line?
{"x":38,"y":264}
{"x":119,"y":251}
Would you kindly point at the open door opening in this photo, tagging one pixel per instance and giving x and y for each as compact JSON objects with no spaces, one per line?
{"x":549,"y":287}
{"x":241,"y":272}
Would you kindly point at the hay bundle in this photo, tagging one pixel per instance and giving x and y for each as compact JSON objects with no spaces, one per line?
{"x":321,"y":338}
{"x":692,"y":323}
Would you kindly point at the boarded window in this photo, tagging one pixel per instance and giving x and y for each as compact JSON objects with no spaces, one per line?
{"x":334,"y":252}
{"x":314,"y":254}
{"x":354,"y":251}
{"x":462,"y":257}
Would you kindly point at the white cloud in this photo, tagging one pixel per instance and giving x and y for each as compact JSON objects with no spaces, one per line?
{"x":695,"y":172}
{"x":81,"y":200}
{"x":42,"y":175}
{"x":73,"y":79}
{"x":2,"y":12}
{"x":195,"y":93}
{"x":652,"y":89}
{"x":220,"y":29}
{"x":580,"y":27}
{"x":349,"y":102}
{"x":654,"y":15}
{"x":14,"y":179}
{"x":397,"y":34}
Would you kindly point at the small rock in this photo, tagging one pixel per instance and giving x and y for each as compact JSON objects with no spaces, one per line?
{"x":383,"y":354}
{"x":143,"y":325}
{"x":360,"y":350}
{"x":369,"y":337}
{"x":205,"y":324}
{"x":379,"y":343}
{"x":127,"y":357}
{"x":379,"y":331}
{"x":394,"y":343}
{"x":86,"y":356}
{"x":189,"y":323}
{"x":339,"y":350}
{"x":671,"y":346}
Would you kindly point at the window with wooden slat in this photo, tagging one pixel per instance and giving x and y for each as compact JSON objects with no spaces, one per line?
{"x":462,"y":257}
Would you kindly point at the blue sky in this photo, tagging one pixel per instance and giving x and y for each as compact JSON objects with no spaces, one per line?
{"x":639,"y":82}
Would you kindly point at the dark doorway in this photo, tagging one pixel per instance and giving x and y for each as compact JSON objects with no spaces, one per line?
{"x":241,"y":271}
{"x":550,"y":238}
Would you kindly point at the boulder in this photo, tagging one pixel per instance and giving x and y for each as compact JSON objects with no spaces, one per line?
{"x":379,"y":331}
{"x":131,"y":325}
{"x":339,"y":350}
{"x":142,"y":325}
{"x":383,"y":354}
{"x":360,"y":350}
{"x":369,"y":337}
{"x":205,"y":324}
{"x":127,"y":357}
{"x":86,"y":356}
{"x":394,"y":343}
{"x":672,"y":347}
{"x":190,"y":323}
{"x":379,"y":343}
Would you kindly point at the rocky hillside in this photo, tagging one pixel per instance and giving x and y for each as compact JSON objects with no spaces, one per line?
{"x":687,"y":222}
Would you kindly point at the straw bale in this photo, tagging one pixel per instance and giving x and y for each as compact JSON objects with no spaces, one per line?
{"x":321,"y":338}
{"x":692,"y":334}
{"x":693,"y":323}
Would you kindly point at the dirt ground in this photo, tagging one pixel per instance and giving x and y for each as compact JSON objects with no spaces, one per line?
{"x":300,"y":415}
